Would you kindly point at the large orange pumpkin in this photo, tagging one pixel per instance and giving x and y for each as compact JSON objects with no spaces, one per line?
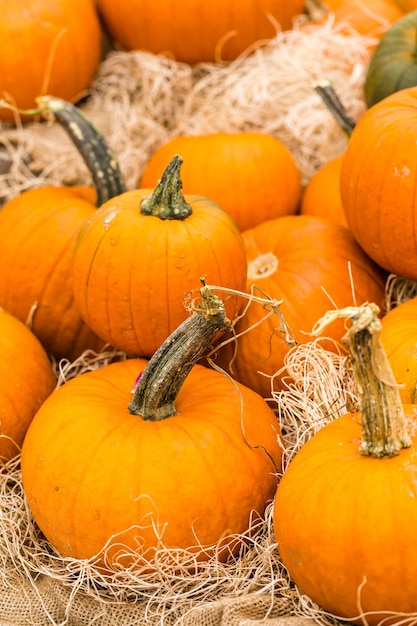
{"x":304,"y":261}
{"x":47,"y":47}
{"x":27,"y":379}
{"x":183,"y":463}
{"x":252,"y":176}
{"x":38,"y":230}
{"x":377,"y":183}
{"x":193,"y":31}
{"x":140,"y":253}
{"x":345,"y":511}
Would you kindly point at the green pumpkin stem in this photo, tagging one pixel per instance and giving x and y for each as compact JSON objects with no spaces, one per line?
{"x":101,"y":161}
{"x":91,"y":144}
{"x":167,"y":200}
{"x":158,"y":387}
{"x":332,"y":101}
{"x":383,"y":423}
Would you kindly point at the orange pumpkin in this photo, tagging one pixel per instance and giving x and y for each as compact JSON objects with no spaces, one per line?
{"x":406,"y":5}
{"x":303,"y":261}
{"x":151,"y":471}
{"x":345,"y":511}
{"x":193,"y":31}
{"x":140,"y":253}
{"x":399,"y":338}
{"x":321,"y":195}
{"x":370,"y":18}
{"x":27,"y":379}
{"x":38,"y":230}
{"x":252,"y":176}
{"x":47,"y":47}
{"x":377,"y":183}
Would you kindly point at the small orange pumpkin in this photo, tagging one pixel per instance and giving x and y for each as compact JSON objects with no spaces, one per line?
{"x":140,"y":253}
{"x":399,"y":338}
{"x":252,"y":176}
{"x":196,"y":30}
{"x":47,"y":47}
{"x":321,"y":195}
{"x":370,"y":18}
{"x":152,"y":468}
{"x":303,"y":261}
{"x":27,"y":379}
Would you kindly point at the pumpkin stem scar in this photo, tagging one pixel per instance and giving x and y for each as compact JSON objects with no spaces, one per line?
{"x":383,"y":423}
{"x":158,"y":387}
{"x":167,"y":200}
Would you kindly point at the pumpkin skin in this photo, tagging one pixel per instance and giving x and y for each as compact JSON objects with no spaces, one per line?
{"x":252,"y":176}
{"x":131,"y":272}
{"x":302,"y":260}
{"x":406,"y":5}
{"x":192,"y":31}
{"x":393,"y":65}
{"x":27,"y":379}
{"x":49,"y":217}
{"x":321,"y":196}
{"x":370,"y":18}
{"x":356,"y":519}
{"x":81,"y":495}
{"x":399,"y":338}
{"x":380,"y":156}
{"x":47,"y":46}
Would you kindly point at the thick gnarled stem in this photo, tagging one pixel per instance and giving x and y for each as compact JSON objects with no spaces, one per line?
{"x":158,"y":387}
{"x":383,"y":423}
{"x":167,"y":200}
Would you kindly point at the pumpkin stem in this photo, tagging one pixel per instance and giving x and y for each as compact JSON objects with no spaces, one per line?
{"x":384,"y":428}
{"x":91,"y":144}
{"x":167,"y":200}
{"x":158,"y":386}
{"x":332,"y":101}
{"x":101,"y":161}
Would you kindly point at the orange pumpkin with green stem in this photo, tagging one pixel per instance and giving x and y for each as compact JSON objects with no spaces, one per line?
{"x":139,"y":254}
{"x":345,"y":511}
{"x":38,"y":230}
{"x":183,"y":463}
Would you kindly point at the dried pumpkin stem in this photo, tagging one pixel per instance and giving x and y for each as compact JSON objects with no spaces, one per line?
{"x":332,"y":101}
{"x":383,"y":423}
{"x":101,"y":161}
{"x":167,"y":200}
{"x":91,"y":144}
{"x":158,"y":387}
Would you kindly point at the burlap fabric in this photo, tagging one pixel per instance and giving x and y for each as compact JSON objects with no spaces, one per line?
{"x":51,"y":603}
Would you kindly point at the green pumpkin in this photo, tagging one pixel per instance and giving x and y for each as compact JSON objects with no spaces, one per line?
{"x":393,"y":65}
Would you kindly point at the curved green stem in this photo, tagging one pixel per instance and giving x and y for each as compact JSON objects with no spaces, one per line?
{"x":91,"y":144}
